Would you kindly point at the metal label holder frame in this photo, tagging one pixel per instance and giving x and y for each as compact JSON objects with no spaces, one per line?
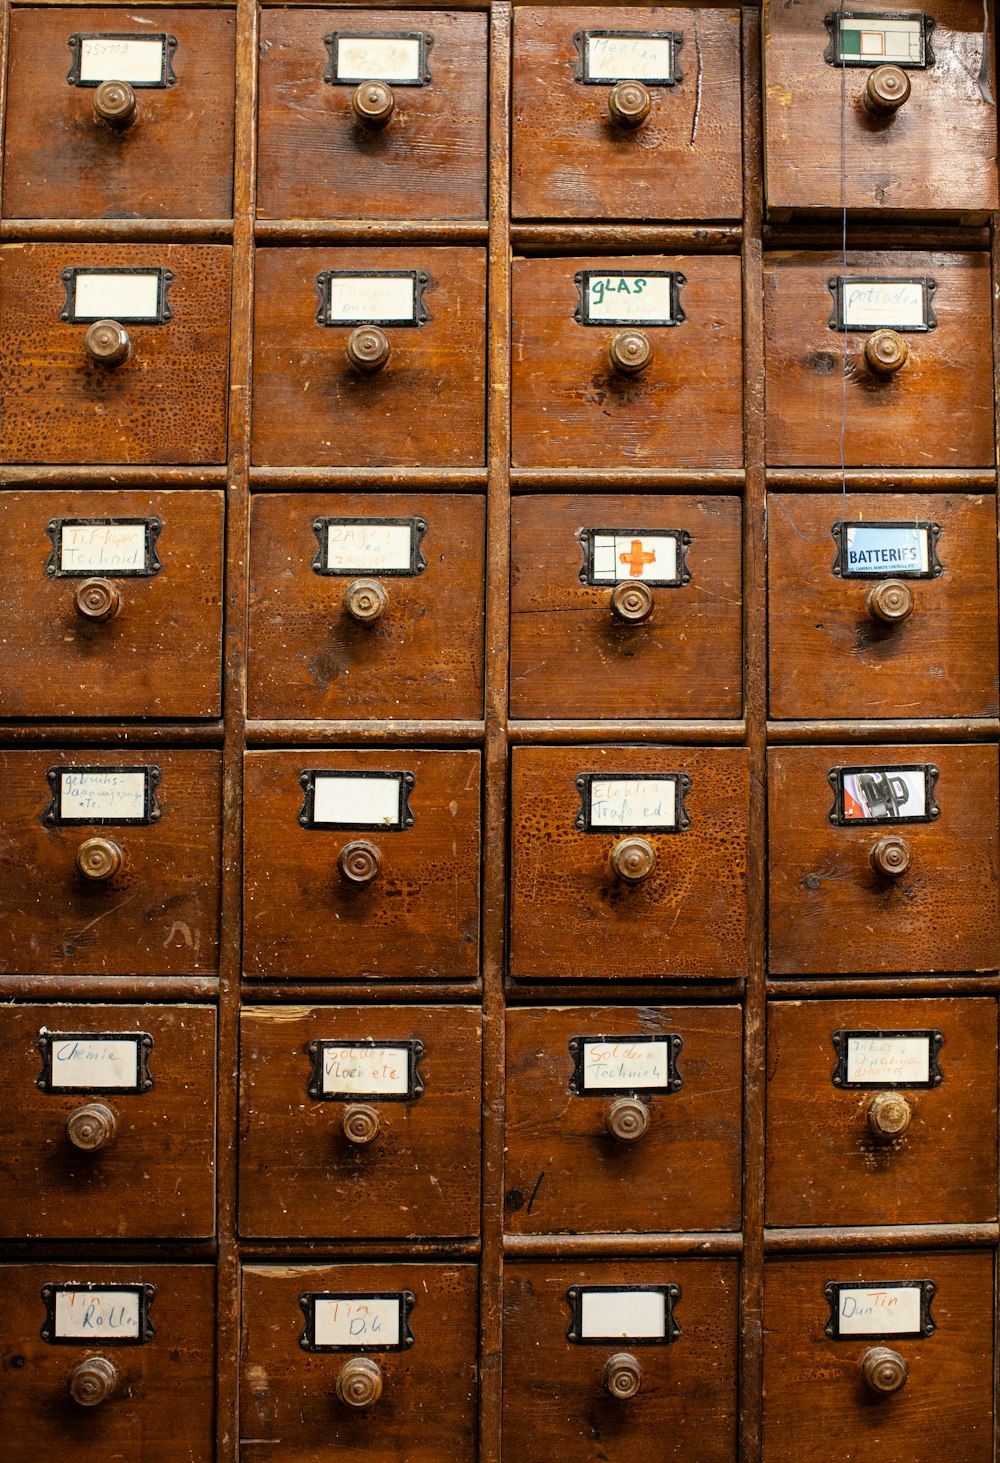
{"x":833,"y":56}
{"x":681,"y":537}
{"x":169,"y":42}
{"x":928,"y":1325}
{"x":931,"y":813}
{"x":413,"y":1047}
{"x":143,"y":1046}
{"x":585,"y":780}
{"x":582,"y":75}
{"x":307,"y":781}
{"x":934,"y":568}
{"x":54,"y":529}
{"x":332,"y":42}
{"x":421,"y":314}
{"x":841,"y":1043}
{"x":582,"y":279}
{"x":146,"y":1295}
{"x":417,"y":565}
{"x":838,"y":283}
{"x":574,"y":1299}
{"x":163,"y":311}
{"x":672,"y":1044}
{"x":405,"y":1299}
{"x":152,"y":812}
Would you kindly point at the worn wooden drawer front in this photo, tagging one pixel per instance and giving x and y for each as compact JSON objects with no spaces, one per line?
{"x":572,"y":652}
{"x":936,"y":410}
{"x":816,"y":1401}
{"x":153,"y":1069}
{"x":404,"y":906}
{"x":425,"y":407}
{"x":316,"y":159}
{"x":830,"y":645}
{"x":841,"y":1151}
{"x":572,"y":160}
{"x":162,"y":1398}
{"x":936,"y":156}
{"x":581,"y":1084}
{"x":832,"y":911}
{"x":574,"y":918}
{"x":557,"y":1407}
{"x":570,"y":407}
{"x":153,"y":909}
{"x":165,"y":404}
{"x":110,"y":603}
{"x":359,"y":1122}
{"x":324,"y":643}
{"x":426,"y":1412}
{"x":174,"y":159}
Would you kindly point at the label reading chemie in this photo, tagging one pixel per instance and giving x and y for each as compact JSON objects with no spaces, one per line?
{"x":98,"y":1063}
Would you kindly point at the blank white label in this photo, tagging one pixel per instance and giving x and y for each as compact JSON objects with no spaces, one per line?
{"x":368,"y":546}
{"x":359,"y":1320}
{"x":94,"y":1061}
{"x":102,"y":547}
{"x":378,"y":58}
{"x":90,"y":1315}
{"x":626,"y":802}
{"x":883,"y":302}
{"x":117,"y":296}
{"x":884,"y":1310}
{"x":366,"y":1069}
{"x":369,"y":299}
{"x":629,"y":1062}
{"x":640,"y":297}
{"x":356,"y":801}
{"x":623,"y":1314}
{"x":886,"y":549}
{"x":85,"y":796}
{"x":888,"y":1059}
{"x":113,"y":58}
{"x":618,"y":556}
{"x":629,"y":58}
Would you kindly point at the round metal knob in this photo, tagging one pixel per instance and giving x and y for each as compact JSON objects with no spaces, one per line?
{"x":885,"y":352}
{"x":360,"y":862}
{"x":107,"y":343}
{"x":93,"y":1381}
{"x":365,"y":601}
{"x":360,"y":1382}
{"x":886,"y":90}
{"x":92,"y":1127}
{"x":99,"y":859}
{"x":629,"y":104}
{"x":888,"y":1116}
{"x":891,"y":601}
{"x":116,"y":104}
{"x":632,"y":602}
{"x":360,"y":1123}
{"x":373,"y":104}
{"x":630,"y":352}
{"x":622,"y":1375}
{"x":97,"y":599}
{"x":890,"y":857}
{"x":368,"y":348}
{"x":632,"y":860}
{"x":627,"y":1119}
{"x":883,"y":1369}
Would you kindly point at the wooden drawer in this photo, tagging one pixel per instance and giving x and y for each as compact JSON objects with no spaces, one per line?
{"x":935,"y":156}
{"x":110,"y":1130}
{"x":426,"y":1403}
{"x":359,"y":1122}
{"x":842,"y":899}
{"x":573,"y":159}
{"x":817,"y":1401}
{"x":840,"y":574}
{"x":173,"y":159}
{"x":570,"y":406}
{"x":586,"y":642}
{"x":166,"y":403}
{"x":110,"y":604}
{"x":882,"y":1112}
{"x":317,"y":159}
{"x":104,"y":892}
{"x":623,"y":1118}
{"x":935,"y":410}
{"x":578,"y":811}
{"x":347,"y":890}
{"x":155,"y":1394}
{"x":558,"y":1403}
{"x":325,"y":641}
{"x":424,"y":407}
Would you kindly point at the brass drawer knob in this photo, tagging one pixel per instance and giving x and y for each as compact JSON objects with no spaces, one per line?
{"x":91,"y":1127}
{"x":622,"y":1375}
{"x":373,"y":104}
{"x":630,"y":352}
{"x":360,"y":862}
{"x":97,"y":599}
{"x":886,"y":89}
{"x":107,"y":343}
{"x":890,"y":857}
{"x":360,"y":1382}
{"x":884,"y":1370}
{"x":632,"y":603}
{"x":885,"y":352}
{"x":116,"y":104}
{"x":629,"y":104}
{"x":632,"y":860}
{"x":368,"y":348}
{"x":627,"y":1119}
{"x":888,"y":1116}
{"x":891,"y":601}
{"x":93,"y":1381}
{"x":365,"y":601}
{"x":360,"y":1123}
{"x":99,"y":859}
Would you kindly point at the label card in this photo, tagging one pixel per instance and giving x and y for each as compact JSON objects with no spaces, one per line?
{"x":141,"y":60}
{"x":881,"y":549}
{"x":861,"y":303}
{"x":887,"y":1059}
{"x":651,"y":298}
{"x":349,"y":1322}
{"x":103,"y":795}
{"x":97,"y":1314}
{"x":399,"y":57}
{"x":607,"y":56}
{"x":349,"y":1070}
{"x":635,"y":803}
{"x":87,"y":1061}
{"x":624,"y":1064}
{"x":884,"y":794}
{"x":372,"y":297}
{"x":120,"y":547}
{"x":382,"y":546}
{"x":130,"y":296}
{"x":654,"y":555}
{"x":860,"y":38}
{"x":889,"y":1308}
{"x":639,"y":1314}
{"x":372,"y":800}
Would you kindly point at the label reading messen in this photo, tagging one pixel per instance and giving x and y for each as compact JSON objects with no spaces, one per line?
{"x":610,"y":56}
{"x":629,"y":299}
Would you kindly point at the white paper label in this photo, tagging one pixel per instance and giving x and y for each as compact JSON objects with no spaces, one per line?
{"x":365,"y":1069}
{"x":87,"y":548}
{"x":883,"y":1310}
{"x":97,"y":1062}
{"x":628,"y":57}
{"x":628,"y":802}
{"x":378,"y":58}
{"x":872,"y":39}
{"x":357,"y":547}
{"x":371,"y":299}
{"x":117,"y":296}
{"x":885,"y":792}
{"x":879,"y":549}
{"x":90,"y":1315}
{"x":630,"y":1062}
{"x":86,"y":796}
{"x":618,"y":556}
{"x":356,"y":802}
{"x":888,"y":1059}
{"x":358,"y":1320}
{"x":114,"y":58}
{"x":623,"y":1314}
{"x":867,"y":303}
{"x":645,"y":299}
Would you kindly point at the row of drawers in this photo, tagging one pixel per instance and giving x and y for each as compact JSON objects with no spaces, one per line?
{"x":628,"y":863}
{"x":617,"y":113}
{"x":377,"y":356}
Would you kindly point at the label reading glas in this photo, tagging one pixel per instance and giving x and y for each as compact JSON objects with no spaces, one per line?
{"x":399,"y":57}
{"x":103,"y":795}
{"x":624,"y":1064}
{"x":884,"y":794}
{"x":887,"y":1059}
{"x":383,"y":546}
{"x":142,"y":61}
{"x":372,"y":800}
{"x":343,"y":1070}
{"x":893,"y":1308}
{"x":652,"y":298}
{"x":861,"y":303}
{"x":130,"y":296}
{"x":115,"y":546}
{"x":641,"y":1314}
{"x":346,"y":1322}
{"x":633,"y":804}
{"x":610,"y":56}
{"x":94,"y":1062}
{"x":879,"y":550}
{"x":656,"y":556}
{"x":356,"y":297}
{"x":101,"y":1315}
{"x":860,"y":38}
